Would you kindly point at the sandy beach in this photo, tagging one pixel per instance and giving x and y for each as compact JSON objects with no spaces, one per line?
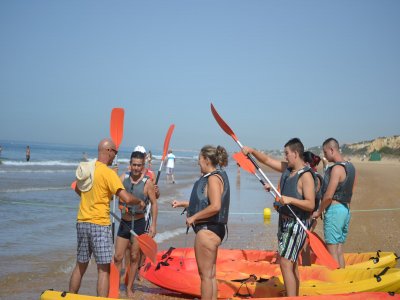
{"x":374,"y":225}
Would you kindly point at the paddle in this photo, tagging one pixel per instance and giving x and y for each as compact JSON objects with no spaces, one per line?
{"x":146,"y":243}
{"x":319,"y":248}
{"x":116,"y":132}
{"x":166,"y":144}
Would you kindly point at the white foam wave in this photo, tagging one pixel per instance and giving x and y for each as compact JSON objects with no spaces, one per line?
{"x":39,"y":163}
{"x":32,"y":189}
{"x":161,"y":237}
{"x":36,"y":171}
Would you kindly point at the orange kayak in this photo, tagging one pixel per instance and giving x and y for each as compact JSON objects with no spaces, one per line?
{"x":359,"y":260}
{"x":177,"y":271}
{"x":60,"y":295}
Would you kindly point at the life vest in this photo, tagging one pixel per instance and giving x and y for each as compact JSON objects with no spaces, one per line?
{"x":288,"y":186}
{"x":136,"y":190}
{"x":150,"y":174}
{"x":344,"y":190}
{"x":199,"y":201}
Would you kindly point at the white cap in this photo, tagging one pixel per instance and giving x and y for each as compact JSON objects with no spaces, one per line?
{"x":139,"y":149}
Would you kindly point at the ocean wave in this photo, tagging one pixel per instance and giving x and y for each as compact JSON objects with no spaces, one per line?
{"x":161,"y":237}
{"x":32,"y":189}
{"x":39,"y":163}
{"x":35,"y":171}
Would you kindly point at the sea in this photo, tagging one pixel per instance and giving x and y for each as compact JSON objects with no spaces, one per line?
{"x":38,"y":210}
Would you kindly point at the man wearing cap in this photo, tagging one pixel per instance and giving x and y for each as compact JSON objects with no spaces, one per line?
{"x":96,"y":183}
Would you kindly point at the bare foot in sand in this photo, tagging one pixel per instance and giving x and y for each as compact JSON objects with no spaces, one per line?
{"x":130,"y":294}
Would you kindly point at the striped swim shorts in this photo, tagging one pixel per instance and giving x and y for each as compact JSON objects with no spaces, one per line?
{"x":96,"y":239}
{"x":291,"y":237}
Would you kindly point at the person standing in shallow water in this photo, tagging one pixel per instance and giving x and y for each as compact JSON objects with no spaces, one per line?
{"x":207,"y":213}
{"x":170,"y":167}
{"x":28,"y":153}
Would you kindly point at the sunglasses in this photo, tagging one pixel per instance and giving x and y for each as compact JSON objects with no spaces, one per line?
{"x":113,"y":150}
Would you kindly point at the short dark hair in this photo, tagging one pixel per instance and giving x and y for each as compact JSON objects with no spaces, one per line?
{"x":138,"y":154}
{"x":332,"y":141}
{"x":296,"y":145}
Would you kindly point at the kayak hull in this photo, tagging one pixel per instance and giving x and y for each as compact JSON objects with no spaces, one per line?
{"x":59,"y":295}
{"x":178,"y":272}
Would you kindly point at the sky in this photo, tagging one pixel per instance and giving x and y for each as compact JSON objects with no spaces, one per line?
{"x":274,"y":70}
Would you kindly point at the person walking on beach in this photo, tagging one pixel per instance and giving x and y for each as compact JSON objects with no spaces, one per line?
{"x":133,"y":217}
{"x":207,"y":213}
{"x":96,"y":183}
{"x":297,"y":190}
{"x":28,"y":153}
{"x":170,"y":167}
{"x":337,"y":190}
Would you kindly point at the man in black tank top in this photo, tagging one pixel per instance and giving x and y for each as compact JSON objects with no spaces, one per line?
{"x":297,"y":189}
{"x":133,"y":217}
{"x":337,"y":189}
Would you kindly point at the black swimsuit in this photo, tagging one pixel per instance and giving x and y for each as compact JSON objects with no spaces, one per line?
{"x":217,"y":228}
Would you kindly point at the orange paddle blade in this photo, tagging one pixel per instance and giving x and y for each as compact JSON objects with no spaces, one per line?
{"x":73,"y":185}
{"x":113,"y":291}
{"x":321,"y":252}
{"x":146,"y":242}
{"x":244,"y":162}
{"x":117,"y":125}
{"x":167,"y":139}
{"x":148,"y":246}
{"x":222,"y":123}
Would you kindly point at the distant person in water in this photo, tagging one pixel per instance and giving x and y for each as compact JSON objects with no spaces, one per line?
{"x":28,"y":153}
{"x":1,"y":149}
{"x":149,"y":159}
{"x":84,"y":156}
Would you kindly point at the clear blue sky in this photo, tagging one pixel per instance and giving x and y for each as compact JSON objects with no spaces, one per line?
{"x":273,"y":69}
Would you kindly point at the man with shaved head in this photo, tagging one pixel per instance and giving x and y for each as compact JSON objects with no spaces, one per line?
{"x":337,"y":190}
{"x":93,"y":220}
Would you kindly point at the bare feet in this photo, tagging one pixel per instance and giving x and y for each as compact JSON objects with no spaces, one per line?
{"x":130,"y":293}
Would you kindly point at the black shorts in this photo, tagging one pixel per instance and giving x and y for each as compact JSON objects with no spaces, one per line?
{"x":218,"y":229}
{"x":124,"y":229}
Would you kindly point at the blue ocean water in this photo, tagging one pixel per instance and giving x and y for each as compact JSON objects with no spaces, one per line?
{"x":38,"y":209}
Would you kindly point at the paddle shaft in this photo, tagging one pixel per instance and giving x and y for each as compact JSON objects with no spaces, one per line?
{"x":159,"y":171}
{"x":288,"y":206}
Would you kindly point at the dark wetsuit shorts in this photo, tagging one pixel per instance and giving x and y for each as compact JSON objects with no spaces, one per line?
{"x":218,"y":229}
{"x":124,"y":229}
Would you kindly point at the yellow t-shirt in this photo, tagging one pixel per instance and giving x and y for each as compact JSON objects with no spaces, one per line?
{"x":95,"y":204}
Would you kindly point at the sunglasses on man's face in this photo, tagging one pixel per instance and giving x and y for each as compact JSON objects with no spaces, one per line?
{"x":113,"y":150}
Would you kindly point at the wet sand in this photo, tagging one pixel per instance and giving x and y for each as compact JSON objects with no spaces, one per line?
{"x":374,"y":225}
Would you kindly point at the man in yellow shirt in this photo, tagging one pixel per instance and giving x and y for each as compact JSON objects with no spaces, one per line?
{"x":93,"y":220}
